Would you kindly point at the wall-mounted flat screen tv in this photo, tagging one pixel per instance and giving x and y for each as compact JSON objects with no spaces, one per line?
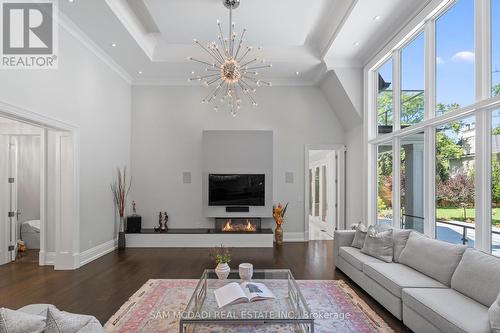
{"x":236,"y":190}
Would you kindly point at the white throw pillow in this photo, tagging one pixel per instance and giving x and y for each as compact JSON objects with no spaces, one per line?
{"x":359,"y":236}
{"x":379,"y":244}
{"x":19,"y":322}
{"x":65,"y":322}
{"x":494,"y":315}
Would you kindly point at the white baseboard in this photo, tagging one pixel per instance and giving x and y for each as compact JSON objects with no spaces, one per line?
{"x":293,"y":236}
{"x":49,"y":258}
{"x":97,"y":251}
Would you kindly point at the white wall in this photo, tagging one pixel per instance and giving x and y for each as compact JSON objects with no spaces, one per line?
{"x":354,"y":175}
{"x":167,"y":129}
{"x":87,"y":93}
{"x":343,"y":96}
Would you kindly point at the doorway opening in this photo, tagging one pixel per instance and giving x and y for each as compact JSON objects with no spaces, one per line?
{"x":21,"y":170}
{"x":38,"y":193}
{"x":324,"y":191}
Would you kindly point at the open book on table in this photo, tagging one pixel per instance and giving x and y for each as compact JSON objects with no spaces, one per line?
{"x":233,"y":293}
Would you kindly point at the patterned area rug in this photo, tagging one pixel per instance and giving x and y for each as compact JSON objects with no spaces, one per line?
{"x":335,"y":305}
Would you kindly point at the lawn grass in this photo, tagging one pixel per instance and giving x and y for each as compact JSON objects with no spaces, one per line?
{"x":457,"y":214}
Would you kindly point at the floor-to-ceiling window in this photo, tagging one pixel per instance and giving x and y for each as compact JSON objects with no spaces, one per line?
{"x":385,"y":98}
{"x":455,"y":185}
{"x":455,"y":57}
{"x":495,"y":182}
{"x":434,"y":102}
{"x":495,"y":47}
{"x":412,"y":182}
{"x":412,"y":82}
{"x":384,"y":184}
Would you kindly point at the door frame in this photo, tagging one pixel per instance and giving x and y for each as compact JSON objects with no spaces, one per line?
{"x":341,"y":150}
{"x":67,"y":240}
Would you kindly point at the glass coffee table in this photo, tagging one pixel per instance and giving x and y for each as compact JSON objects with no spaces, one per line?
{"x":289,"y":312}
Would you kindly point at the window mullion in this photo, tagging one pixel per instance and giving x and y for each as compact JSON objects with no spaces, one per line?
{"x":483,"y":181}
{"x":430,"y":182}
{"x":483,"y":126}
{"x":396,"y":182}
{"x":396,"y":90}
{"x":430,"y":69}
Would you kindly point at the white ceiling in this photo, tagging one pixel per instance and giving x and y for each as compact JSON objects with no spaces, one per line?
{"x":155,"y":37}
{"x":265,"y":20}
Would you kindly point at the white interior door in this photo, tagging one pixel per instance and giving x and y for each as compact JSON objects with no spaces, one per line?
{"x":13,"y":213}
{"x":4,"y":200}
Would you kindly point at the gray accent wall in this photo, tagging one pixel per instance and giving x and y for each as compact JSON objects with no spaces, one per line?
{"x":238,"y":152}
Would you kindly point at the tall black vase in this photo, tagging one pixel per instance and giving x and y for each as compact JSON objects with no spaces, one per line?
{"x":121,"y":240}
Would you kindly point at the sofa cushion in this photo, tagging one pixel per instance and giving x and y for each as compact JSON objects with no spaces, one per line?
{"x":359,"y":236}
{"x":12,"y":321}
{"x":447,"y":309}
{"x":65,"y":322}
{"x":432,"y":257}
{"x":354,"y":257}
{"x":400,"y":237}
{"x":394,"y":277}
{"x":36,"y":309}
{"x":478,"y":276}
{"x":379,"y":244}
{"x":494,"y":315}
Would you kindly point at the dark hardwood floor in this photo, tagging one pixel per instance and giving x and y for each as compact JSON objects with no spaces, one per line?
{"x":102,"y":286}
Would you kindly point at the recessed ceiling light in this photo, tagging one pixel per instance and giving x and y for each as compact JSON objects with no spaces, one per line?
{"x":376,"y":18}
{"x":71,"y":1}
{"x":297,"y":73}
{"x":113,"y":44}
{"x":139,"y":72}
{"x":355,"y":43}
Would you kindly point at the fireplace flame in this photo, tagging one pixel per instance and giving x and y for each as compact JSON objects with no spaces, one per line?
{"x":247,"y":227}
{"x":228,"y":226}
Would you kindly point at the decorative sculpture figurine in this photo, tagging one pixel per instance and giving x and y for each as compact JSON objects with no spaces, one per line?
{"x":165,"y":221}
{"x":134,"y":211}
{"x":162,"y":222}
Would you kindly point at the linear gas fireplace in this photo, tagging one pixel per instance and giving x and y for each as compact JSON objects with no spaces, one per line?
{"x":238,"y":224}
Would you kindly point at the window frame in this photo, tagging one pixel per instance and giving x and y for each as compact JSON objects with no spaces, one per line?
{"x":484,"y":104}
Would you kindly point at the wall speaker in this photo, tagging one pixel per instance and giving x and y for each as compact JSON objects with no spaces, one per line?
{"x":186,"y":177}
{"x":289,"y":177}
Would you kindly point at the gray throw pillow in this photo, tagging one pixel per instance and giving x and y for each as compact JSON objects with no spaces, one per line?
{"x":359,"y":236}
{"x":379,"y":245}
{"x":432,"y":257}
{"x":478,"y":276}
{"x":400,"y":237}
{"x":494,"y":315}
{"x":19,"y":322}
{"x":65,"y":322}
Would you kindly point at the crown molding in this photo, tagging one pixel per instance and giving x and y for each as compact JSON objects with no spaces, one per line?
{"x":83,"y":38}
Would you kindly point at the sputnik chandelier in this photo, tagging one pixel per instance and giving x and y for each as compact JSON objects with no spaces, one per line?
{"x":232,"y":69}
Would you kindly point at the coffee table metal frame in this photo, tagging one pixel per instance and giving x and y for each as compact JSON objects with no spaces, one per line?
{"x":302,"y":319}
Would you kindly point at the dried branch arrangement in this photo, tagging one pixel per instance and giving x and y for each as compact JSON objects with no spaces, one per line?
{"x":120,"y":189}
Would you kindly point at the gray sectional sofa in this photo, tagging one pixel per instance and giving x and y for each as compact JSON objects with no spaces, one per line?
{"x":433,"y":286}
